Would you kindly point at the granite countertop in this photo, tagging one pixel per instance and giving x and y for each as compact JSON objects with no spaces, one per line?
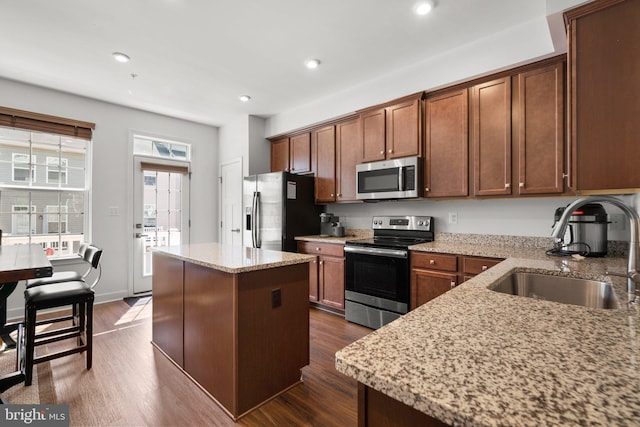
{"x":349,"y":234}
{"x":476,"y":357}
{"x":233,"y":259}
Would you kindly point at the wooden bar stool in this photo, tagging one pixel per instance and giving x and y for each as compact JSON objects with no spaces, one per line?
{"x":42,"y":295}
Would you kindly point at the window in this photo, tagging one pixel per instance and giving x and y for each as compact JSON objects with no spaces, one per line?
{"x":57,"y":170}
{"x":163,"y":149}
{"x":44,"y":189}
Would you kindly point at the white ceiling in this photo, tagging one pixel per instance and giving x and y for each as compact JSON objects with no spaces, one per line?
{"x":194,"y":58}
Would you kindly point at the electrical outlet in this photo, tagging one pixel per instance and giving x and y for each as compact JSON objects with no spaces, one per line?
{"x":276,"y":298}
{"x":453,"y":217}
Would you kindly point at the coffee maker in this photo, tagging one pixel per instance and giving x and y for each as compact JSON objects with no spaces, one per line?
{"x":330,"y":225}
{"x":586,"y":232}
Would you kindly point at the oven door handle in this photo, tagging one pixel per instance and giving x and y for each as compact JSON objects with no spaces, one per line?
{"x":394,"y":253}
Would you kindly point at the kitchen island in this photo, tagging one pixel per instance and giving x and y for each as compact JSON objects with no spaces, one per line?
{"x":476,"y":357}
{"x":234,"y":319}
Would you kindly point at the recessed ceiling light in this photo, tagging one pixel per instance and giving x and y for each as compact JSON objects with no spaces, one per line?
{"x":121,"y":57}
{"x":425,"y":7}
{"x":312,"y":63}
{"x":244,"y":98}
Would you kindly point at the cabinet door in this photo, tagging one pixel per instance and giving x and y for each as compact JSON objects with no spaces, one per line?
{"x":314,"y":294}
{"x":280,"y":155}
{"x":348,"y":144}
{"x":403,"y":130}
{"x":331,"y":282}
{"x":373,"y":135}
{"x":541,"y":130}
{"x":604,"y":116}
{"x":300,"y":156}
{"x":325,"y":147}
{"x":491,"y":137}
{"x":446,"y":172}
{"x":427,"y":285}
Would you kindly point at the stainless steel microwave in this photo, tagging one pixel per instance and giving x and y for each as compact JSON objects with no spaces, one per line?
{"x":389,"y":179}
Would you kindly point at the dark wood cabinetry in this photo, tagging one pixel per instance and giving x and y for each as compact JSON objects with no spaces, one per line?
{"x":291,"y":154}
{"x":326,"y":274}
{"x":447,"y":145}
{"x":348,"y":143}
{"x":280,"y":155}
{"x":393,"y":131}
{"x":433,"y":274}
{"x":604,"y":42}
{"x":539,"y":130}
{"x":324,"y":143}
{"x":491,"y":137}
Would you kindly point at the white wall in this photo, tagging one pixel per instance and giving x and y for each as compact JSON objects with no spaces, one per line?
{"x":111,"y":163}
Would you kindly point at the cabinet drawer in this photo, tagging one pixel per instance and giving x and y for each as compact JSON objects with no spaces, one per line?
{"x":315,"y":248}
{"x":433,"y":261}
{"x":475,"y":265}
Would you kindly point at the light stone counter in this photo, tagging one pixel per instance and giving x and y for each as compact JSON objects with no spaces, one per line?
{"x":349,"y":234}
{"x":475,"y":357}
{"x":233,"y":259}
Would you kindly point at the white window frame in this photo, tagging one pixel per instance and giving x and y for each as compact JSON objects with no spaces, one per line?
{"x":22,"y":166}
{"x":59,"y":165}
{"x":24,"y":210}
{"x":61,"y":215}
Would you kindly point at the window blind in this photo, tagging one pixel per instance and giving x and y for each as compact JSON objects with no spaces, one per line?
{"x":156,"y":167}
{"x":43,"y":123}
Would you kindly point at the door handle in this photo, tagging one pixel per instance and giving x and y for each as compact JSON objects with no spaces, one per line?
{"x":235,"y":230}
{"x":140,"y":235}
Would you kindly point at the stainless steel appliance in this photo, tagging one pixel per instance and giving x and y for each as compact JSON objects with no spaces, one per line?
{"x":389,"y":179}
{"x":587,"y":231}
{"x":377,"y":270}
{"x":326,"y":223}
{"x":277,"y":207}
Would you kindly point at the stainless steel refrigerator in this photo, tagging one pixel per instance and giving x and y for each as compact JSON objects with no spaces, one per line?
{"x":279,"y":206}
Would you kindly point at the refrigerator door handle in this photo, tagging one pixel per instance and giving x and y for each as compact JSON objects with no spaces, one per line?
{"x":257,"y":217}
{"x":253,"y":220}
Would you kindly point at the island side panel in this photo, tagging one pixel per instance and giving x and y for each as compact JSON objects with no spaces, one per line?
{"x":273,"y":342}
{"x":209,"y":325}
{"x":167,"y":306}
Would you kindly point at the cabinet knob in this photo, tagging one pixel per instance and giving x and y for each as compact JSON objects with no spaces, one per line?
{"x":453,"y":284}
{"x":432,"y":261}
{"x":339,"y":194}
{"x":390,"y":151}
{"x":314,"y":261}
{"x":332,"y":195}
{"x":484,"y":267}
{"x":382,"y":152}
{"x":426,"y":189}
{"x":292,"y":169}
{"x":318,"y":249}
{"x":507,"y":185}
{"x":321,"y":262}
{"x":522,"y":185}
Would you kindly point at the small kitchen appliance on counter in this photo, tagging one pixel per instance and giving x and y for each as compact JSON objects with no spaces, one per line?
{"x":328,"y":224}
{"x":377,"y":270}
{"x":587,"y":231}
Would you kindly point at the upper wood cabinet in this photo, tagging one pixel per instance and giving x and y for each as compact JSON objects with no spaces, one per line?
{"x":292,"y":154}
{"x":447,"y":145}
{"x":280,"y":155}
{"x":491,"y":137}
{"x":392,"y":132}
{"x":348,"y":142}
{"x":604,"y":112}
{"x":324,"y":143}
{"x":539,"y":130}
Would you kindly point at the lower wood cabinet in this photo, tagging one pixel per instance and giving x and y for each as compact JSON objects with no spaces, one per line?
{"x":326,"y":274}
{"x":433,"y":274}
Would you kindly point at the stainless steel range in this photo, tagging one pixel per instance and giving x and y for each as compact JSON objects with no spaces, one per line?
{"x":377,"y":269}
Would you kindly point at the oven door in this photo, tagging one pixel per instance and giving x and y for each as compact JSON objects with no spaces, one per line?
{"x":377,"y":277}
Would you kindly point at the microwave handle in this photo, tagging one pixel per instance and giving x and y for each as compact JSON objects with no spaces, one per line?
{"x":401,"y":178}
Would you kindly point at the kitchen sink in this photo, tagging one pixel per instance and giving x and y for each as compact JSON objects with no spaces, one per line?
{"x":566,"y":290}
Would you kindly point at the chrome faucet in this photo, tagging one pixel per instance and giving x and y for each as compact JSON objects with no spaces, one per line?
{"x":633,"y":277}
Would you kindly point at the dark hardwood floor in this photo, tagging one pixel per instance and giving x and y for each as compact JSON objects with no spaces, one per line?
{"x":133,"y":384}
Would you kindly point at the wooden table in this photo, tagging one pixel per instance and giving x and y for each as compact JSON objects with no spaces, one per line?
{"x":18,"y":262}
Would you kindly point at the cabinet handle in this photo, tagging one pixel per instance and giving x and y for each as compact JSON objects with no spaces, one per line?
{"x":507,"y":186}
{"x":564,"y":175}
{"x":522,"y":185}
{"x":453,"y":284}
{"x":432,"y":261}
{"x":484,"y":268}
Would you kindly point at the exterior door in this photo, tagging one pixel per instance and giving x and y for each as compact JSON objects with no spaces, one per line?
{"x":231,"y":203}
{"x":161,"y":213}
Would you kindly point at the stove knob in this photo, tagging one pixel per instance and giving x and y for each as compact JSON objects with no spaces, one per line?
{"x":420,"y":223}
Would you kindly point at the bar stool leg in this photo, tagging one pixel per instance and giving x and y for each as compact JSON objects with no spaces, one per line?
{"x":30,"y":344}
{"x":89,"y":331}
